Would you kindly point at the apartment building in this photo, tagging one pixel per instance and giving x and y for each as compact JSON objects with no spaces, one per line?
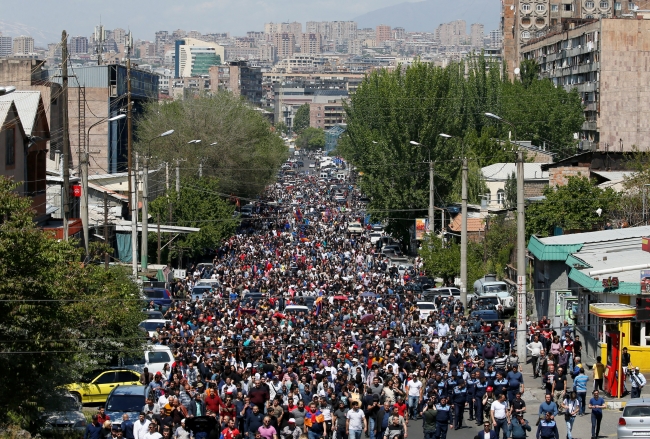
{"x":326,"y":109}
{"x":294,"y":28}
{"x":285,"y":43}
{"x":78,"y":45}
{"x":452,"y":34}
{"x":6,"y":46}
{"x":240,"y":78}
{"x":476,"y":35}
{"x":382,"y":33}
{"x":311,"y":44}
{"x":23,"y":45}
{"x":606,"y":61}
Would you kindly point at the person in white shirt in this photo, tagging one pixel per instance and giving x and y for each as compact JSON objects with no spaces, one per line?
{"x":414,"y":391}
{"x":152,"y":431}
{"x":499,"y":416}
{"x":535,"y":347}
{"x":443,"y":328}
{"x":141,"y":427}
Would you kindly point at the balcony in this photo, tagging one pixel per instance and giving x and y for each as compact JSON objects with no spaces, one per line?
{"x":590,"y":126}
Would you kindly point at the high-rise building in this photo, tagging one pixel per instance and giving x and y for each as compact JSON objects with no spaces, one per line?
{"x":294,"y":28}
{"x":23,"y":44}
{"x":476,"y":35}
{"x":382,"y":33}
{"x":119,"y":35}
{"x":6,"y":46}
{"x":162,"y":37}
{"x":285,"y":43}
{"x":311,"y":44}
{"x":399,"y":33}
{"x":496,"y":38}
{"x":452,"y":34}
{"x":239,"y":78}
{"x":195,"y":57}
{"x":78,"y":45}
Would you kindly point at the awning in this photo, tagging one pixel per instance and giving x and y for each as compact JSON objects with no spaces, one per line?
{"x":125,"y":226}
{"x":612,"y":310}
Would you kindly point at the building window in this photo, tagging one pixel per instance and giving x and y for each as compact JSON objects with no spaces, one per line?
{"x":630,"y":6}
{"x":604,"y":5}
{"x":10,"y":146}
{"x":501,"y":196}
{"x":555,"y":8}
{"x":525,"y":7}
{"x":541,"y":8}
{"x":590,"y":5}
{"x":617,"y":6}
{"x":568,"y":8}
{"x":525,"y":34}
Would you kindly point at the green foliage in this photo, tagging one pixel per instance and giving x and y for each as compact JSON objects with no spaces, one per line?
{"x":510,"y":190}
{"x":281,"y":128}
{"x":60,"y":318}
{"x":199,"y":204}
{"x":301,"y":119}
{"x":311,"y":138}
{"x":247,"y":153}
{"x":572,"y":207}
{"x":631,"y":203}
{"x":528,"y":71}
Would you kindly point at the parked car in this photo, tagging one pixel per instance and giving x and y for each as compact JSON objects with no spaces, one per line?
{"x":355,"y":228}
{"x":634,"y":422}
{"x":199,"y":291}
{"x":426,"y":309}
{"x":374,"y":237}
{"x":96,"y":386}
{"x":432,"y":293}
{"x":125,"y":399}
{"x":486,"y":315}
{"x":296,"y":310}
{"x":151,"y":326}
{"x":63,"y":416}
{"x":153,"y":314}
{"x":161,"y":297}
{"x":153,"y":358}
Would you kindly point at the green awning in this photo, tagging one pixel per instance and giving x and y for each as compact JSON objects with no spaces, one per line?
{"x":596,"y":286}
{"x":551,"y":252}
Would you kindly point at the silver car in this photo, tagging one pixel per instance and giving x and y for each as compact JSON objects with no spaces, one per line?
{"x":635,"y":421}
{"x":64,"y":416}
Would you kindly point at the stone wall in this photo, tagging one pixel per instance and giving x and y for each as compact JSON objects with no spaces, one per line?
{"x":559,"y":176}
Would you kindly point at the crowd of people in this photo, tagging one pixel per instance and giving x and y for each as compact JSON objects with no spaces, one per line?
{"x":361,"y":360}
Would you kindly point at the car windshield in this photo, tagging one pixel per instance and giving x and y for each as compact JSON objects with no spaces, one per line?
{"x":151,"y":326}
{"x":125,"y":403}
{"x":426,"y":306}
{"x":636,"y":412}
{"x":154,"y":294}
{"x":487,"y":300}
{"x":65,"y":403}
{"x":496,"y":288}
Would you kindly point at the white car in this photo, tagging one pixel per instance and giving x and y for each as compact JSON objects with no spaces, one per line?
{"x":312,"y":165}
{"x":355,"y":228}
{"x":375,"y":237}
{"x":152,"y":325}
{"x":426,"y":309}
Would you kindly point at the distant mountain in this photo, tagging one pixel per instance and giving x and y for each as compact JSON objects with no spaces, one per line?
{"x":427,"y":15}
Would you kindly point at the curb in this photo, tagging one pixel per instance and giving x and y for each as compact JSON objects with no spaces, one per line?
{"x":615,"y":405}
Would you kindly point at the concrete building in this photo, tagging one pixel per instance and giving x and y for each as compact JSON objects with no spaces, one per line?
{"x":452,"y":34}
{"x":6,"y":46}
{"x":294,"y":28}
{"x":311,"y":44}
{"x":476,"y":35}
{"x":382,"y":33}
{"x":285,"y":43}
{"x":195,"y":57}
{"x":497,"y":174}
{"x":162,"y":38}
{"x":23,"y":45}
{"x":239,"y":78}
{"x":606,"y":61}
{"x":78,"y":45}
{"x":326,"y":109}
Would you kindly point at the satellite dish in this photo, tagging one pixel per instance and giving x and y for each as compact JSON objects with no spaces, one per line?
{"x":517,"y":70}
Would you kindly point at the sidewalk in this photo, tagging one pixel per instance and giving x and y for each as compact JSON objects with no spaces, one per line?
{"x":534,"y":392}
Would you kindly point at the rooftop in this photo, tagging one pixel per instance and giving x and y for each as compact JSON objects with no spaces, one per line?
{"x":501,"y":171}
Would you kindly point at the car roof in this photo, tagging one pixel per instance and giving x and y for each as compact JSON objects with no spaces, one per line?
{"x":638,"y":402}
{"x":424,"y":302}
{"x":156,"y":320}
{"x":129,"y":389}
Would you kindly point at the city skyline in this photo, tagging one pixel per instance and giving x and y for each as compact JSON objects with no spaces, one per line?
{"x":206,"y":16}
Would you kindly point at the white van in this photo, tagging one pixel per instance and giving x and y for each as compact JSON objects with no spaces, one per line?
{"x":295,"y":310}
{"x":155,"y":357}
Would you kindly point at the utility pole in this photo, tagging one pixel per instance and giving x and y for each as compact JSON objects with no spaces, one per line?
{"x":167,"y":176}
{"x":463,"y":237}
{"x":106,"y":240}
{"x":431,"y":197}
{"x":521,"y":258}
{"x":158,"y":260}
{"x":178,"y":178}
{"x":84,"y":198}
{"x":134,"y":228}
{"x":200,"y":168}
{"x":100,"y":36}
{"x":66,"y":135}
{"x":145,"y":213}
{"x":129,"y":126}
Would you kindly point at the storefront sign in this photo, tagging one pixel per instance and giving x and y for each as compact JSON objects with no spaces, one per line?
{"x":645,"y":281}
{"x":610,"y":282}
{"x":421,"y":228}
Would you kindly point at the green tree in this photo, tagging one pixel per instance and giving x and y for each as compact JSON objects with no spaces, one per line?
{"x":579,"y":205}
{"x":60,"y":318}
{"x":510,"y":192}
{"x":237,"y":143}
{"x":281,"y":128}
{"x":311,"y":138}
{"x":199,"y":204}
{"x":301,"y":119}
{"x":528,"y":71}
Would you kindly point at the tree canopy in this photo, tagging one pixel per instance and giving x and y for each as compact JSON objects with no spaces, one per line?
{"x":247,"y":153}
{"x":311,"y":138}
{"x":301,"y":119}
{"x":418,"y":103}
{"x":60,"y":318}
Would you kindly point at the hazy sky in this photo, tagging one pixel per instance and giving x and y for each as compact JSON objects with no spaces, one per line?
{"x":45,"y":19}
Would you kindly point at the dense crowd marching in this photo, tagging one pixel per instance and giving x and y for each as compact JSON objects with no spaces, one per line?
{"x":361,"y":361}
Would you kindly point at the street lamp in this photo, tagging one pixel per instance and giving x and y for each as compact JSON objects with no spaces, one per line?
{"x":521,"y":244}
{"x":145,"y":208}
{"x":83,"y":164}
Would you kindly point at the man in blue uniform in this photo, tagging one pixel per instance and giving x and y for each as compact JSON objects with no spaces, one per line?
{"x":481,"y":389}
{"x":443,"y":418}
{"x":547,"y":428}
{"x":459,"y":398}
{"x":471,"y":394}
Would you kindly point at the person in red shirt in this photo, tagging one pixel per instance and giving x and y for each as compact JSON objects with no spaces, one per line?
{"x":401,"y":407}
{"x":212,"y":400}
{"x":230,"y":432}
{"x":102,"y":416}
{"x":228,"y":408}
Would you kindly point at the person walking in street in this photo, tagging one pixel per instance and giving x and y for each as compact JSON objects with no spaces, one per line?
{"x":356,"y":422}
{"x":499,"y":414}
{"x":580,"y":387}
{"x":443,"y":418}
{"x":599,"y":373}
{"x":487,"y":432}
{"x":571,"y":407}
{"x":547,"y":428}
{"x":638,"y":381}
{"x":518,"y":427}
{"x":535,"y":347}
{"x":429,"y":419}
{"x":458,"y":401}
{"x":596,"y":405}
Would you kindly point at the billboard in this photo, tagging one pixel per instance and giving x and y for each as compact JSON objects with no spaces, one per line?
{"x":421,"y":228}
{"x":645,"y":281}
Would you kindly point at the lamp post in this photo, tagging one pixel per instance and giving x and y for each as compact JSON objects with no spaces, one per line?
{"x":83,"y":163}
{"x":521,"y":244}
{"x":145,"y":202}
{"x":463,"y":224}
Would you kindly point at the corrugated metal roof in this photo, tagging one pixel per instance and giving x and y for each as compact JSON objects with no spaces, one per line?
{"x":596,"y":286}
{"x":599,"y":236}
{"x":547,"y":252}
{"x":501,"y":171}
{"x":87,"y":76}
{"x":613,"y":175}
{"x":4,"y":109}
{"x":26,"y":102}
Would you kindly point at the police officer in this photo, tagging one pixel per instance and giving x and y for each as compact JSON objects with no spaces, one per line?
{"x":481,"y":387}
{"x":471,"y":393}
{"x":459,"y":399}
{"x":443,"y":419}
{"x":500,"y":385}
{"x":547,"y":428}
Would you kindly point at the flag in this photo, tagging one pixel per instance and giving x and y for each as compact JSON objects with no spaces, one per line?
{"x":298,"y":214}
{"x":319,"y":304}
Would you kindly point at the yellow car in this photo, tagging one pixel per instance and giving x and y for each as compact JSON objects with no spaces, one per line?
{"x":97,"y":385}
